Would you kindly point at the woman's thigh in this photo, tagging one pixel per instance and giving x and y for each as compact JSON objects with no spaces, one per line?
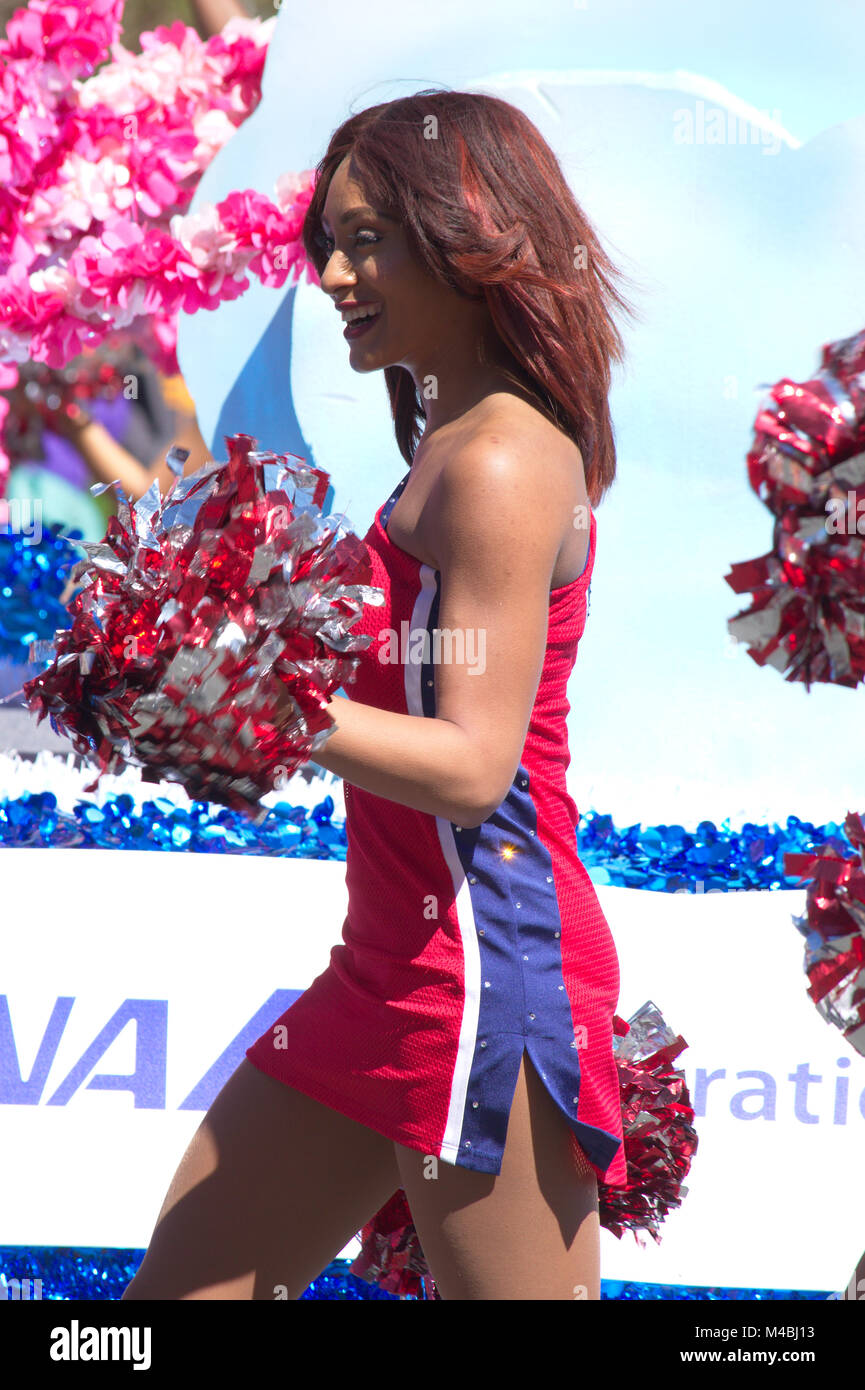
{"x":272,"y":1186}
{"x":531,"y":1232}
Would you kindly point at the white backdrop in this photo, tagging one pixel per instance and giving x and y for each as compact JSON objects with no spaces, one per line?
{"x":203,"y":946}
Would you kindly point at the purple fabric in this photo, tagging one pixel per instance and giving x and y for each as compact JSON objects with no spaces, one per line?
{"x":64,"y":460}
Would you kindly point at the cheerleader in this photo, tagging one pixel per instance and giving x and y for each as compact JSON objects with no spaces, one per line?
{"x":459,"y":1044}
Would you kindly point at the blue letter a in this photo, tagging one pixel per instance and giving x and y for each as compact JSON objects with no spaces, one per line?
{"x":147,"y":1082}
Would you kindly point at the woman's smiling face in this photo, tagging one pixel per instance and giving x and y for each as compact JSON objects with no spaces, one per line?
{"x":371,"y":264}
{"x":446,"y":340}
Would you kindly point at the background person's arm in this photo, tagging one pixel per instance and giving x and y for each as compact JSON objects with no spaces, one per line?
{"x":109,"y":461}
{"x":213,"y":15}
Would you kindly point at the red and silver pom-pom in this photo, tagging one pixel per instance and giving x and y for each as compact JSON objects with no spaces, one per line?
{"x":807,"y":463}
{"x":659,"y":1140}
{"x":213,"y":629}
{"x":657,"y":1124}
{"x":833,"y":926}
{"x":391,"y":1254}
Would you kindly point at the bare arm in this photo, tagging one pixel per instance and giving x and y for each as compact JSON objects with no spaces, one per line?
{"x":422,"y":763}
{"x":108,"y":460}
{"x":497,"y":551}
{"x":213,"y":15}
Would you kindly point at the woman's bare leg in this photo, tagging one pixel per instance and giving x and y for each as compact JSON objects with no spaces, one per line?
{"x":532,"y":1232}
{"x":272,"y":1186}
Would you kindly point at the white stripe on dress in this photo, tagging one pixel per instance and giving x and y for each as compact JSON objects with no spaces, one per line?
{"x":465,"y":915}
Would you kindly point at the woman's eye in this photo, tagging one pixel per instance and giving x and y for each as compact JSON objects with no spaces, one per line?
{"x":361,"y":238}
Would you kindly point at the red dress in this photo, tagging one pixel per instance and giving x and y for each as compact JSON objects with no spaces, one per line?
{"x":462,"y":947}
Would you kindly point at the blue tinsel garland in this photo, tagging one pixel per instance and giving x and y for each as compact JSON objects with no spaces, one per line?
{"x":76,"y":1275}
{"x":33,"y":575}
{"x":662,"y":858}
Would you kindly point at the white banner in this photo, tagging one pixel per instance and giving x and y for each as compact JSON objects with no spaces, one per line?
{"x":775,"y":1193}
{"x":201,"y":952}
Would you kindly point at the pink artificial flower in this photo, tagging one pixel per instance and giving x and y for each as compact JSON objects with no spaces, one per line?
{"x":74,"y":34}
{"x":96,"y":176}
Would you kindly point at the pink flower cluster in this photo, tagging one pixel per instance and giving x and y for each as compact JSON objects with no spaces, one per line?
{"x":52,"y":32}
{"x":97,"y":170}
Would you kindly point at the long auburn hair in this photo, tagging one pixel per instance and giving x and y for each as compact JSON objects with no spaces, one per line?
{"x":487,"y":210}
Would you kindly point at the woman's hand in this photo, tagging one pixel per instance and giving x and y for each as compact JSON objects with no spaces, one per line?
{"x":68,"y":420}
{"x":46,"y":399}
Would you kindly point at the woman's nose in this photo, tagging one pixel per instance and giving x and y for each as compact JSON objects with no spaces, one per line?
{"x":336,"y":275}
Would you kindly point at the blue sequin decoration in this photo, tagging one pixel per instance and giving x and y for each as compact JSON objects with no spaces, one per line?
{"x":671,"y":859}
{"x":33,"y":575}
{"x":34,"y":820}
{"x":660,"y":858}
{"x":84,"y":1274}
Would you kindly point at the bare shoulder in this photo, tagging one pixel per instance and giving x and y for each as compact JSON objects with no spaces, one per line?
{"x":510,"y":476}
